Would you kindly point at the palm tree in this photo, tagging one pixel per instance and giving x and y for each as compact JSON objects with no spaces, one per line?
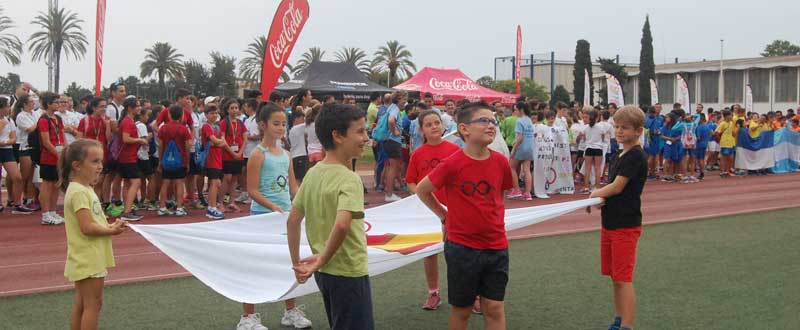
{"x":354,"y":56}
{"x":313,"y":54}
{"x":394,"y":57}
{"x":164,"y":60}
{"x":10,"y":45}
{"x":61,"y":30}
{"x":250,"y":66}
{"x":223,"y":73}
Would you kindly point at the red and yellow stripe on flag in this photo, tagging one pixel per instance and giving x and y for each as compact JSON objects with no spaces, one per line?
{"x":403,"y":244}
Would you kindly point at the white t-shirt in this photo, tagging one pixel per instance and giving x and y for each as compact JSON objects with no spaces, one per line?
{"x":560,"y":122}
{"x":70,"y":118}
{"x":113,"y":112}
{"x":252,"y":130}
{"x":297,"y":140}
{"x":577,"y":129}
{"x":198,"y":120}
{"x":25,"y":120}
{"x":142,"y":153}
{"x":314,"y":146}
{"x":5,"y":134}
{"x":609,"y":133}
{"x":595,"y":136}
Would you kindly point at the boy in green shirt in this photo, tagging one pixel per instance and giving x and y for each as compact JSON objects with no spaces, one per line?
{"x":331,"y":199}
{"x":508,"y":125}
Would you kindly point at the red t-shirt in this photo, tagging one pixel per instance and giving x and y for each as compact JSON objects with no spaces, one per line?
{"x":474,"y":189}
{"x":54,"y":127}
{"x":425,"y":159}
{"x":234,"y":137}
{"x":174,"y":131}
{"x":214,"y":156}
{"x":128,"y":153}
{"x":164,"y":117}
{"x":95,"y":129}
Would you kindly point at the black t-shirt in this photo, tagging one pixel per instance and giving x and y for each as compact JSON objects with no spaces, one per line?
{"x":625,"y":209}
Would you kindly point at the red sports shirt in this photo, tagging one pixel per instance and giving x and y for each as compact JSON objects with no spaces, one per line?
{"x":164,"y":117}
{"x":214,"y":157}
{"x":54,"y":127}
{"x":232,"y":137}
{"x":128,"y":153}
{"x":174,"y":131}
{"x":425,"y":159}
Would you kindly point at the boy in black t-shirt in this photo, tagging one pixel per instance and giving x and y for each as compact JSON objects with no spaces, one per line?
{"x":622,"y":213}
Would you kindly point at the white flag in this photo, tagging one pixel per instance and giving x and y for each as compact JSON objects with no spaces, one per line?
{"x":614,"y":91}
{"x":587,"y":88}
{"x":748,"y":98}
{"x":653,"y":92}
{"x":683,"y":93}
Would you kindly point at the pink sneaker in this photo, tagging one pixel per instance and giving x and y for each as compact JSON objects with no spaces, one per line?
{"x":527,"y":197}
{"x":433,"y":301}
{"x":515,"y":193}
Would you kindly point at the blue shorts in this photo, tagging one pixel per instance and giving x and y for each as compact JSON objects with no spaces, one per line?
{"x":673,"y":152}
{"x":653,"y":149}
{"x":728,"y":151}
{"x":524,"y":153}
{"x":700,"y":153}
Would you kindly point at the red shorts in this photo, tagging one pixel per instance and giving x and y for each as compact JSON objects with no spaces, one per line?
{"x":618,"y":252}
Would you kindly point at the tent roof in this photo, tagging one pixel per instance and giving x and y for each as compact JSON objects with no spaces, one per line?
{"x":338,"y":79}
{"x":452,"y":84}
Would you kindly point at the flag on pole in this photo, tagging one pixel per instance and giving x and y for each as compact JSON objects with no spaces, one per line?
{"x":614,"y":91}
{"x":587,"y":88}
{"x":653,"y":92}
{"x":519,"y":55}
{"x":683,"y":93}
{"x":98,"y":49}
{"x":289,"y":20}
{"x":748,"y":98}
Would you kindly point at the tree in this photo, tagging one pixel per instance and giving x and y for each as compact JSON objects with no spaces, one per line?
{"x":583,"y":63}
{"x":313,"y":54}
{"x":10,"y":45}
{"x":250,"y":65}
{"x":9,"y":83}
{"x":647,"y":65}
{"x":781,"y":48}
{"x":559,"y":94}
{"x":527,"y":87}
{"x":354,"y":56}
{"x":77,"y":92}
{"x":394,"y":58}
{"x":223,"y":75}
{"x":61,"y":31}
{"x":197,"y":77}
{"x":164,"y":61}
{"x":487,"y":81}
{"x":610,"y":66}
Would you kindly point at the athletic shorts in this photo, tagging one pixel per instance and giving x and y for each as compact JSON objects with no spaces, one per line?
{"x":15,"y":148}
{"x":25,"y":153}
{"x":689,"y":152}
{"x":192,"y":167}
{"x":300,"y":167}
{"x":214,"y":173}
{"x":7,"y":155}
{"x":110,"y":166}
{"x":472,"y":272}
{"x":591,"y":152}
{"x":174,"y":175}
{"x":348,"y":301}
{"x":233,"y":167}
{"x":48,"y":172}
{"x":700,"y":153}
{"x":713,"y":146}
{"x":580,"y":153}
{"x":618,"y":252}
{"x":154,"y":162}
{"x":129,"y":170}
{"x":728,"y":151}
{"x":145,"y":166}
{"x":393,"y":149}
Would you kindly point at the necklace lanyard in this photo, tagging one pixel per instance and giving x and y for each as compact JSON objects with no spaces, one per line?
{"x":233,"y":129}
{"x":55,"y":128}
{"x":96,"y":128}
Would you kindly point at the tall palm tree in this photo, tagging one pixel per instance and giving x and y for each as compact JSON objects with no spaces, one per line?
{"x":61,"y":31}
{"x":223,"y":73}
{"x":354,"y":56}
{"x":250,"y":66}
{"x":313,"y":54}
{"x":163,"y":60}
{"x":394,"y":57}
{"x":10,"y":45}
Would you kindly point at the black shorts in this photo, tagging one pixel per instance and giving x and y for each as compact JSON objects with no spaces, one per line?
{"x":300,"y":167}
{"x":472,"y":272}
{"x":15,"y":148}
{"x":146,"y":167}
{"x":192,"y":167}
{"x":232,"y":167}
{"x":129,"y":170}
{"x":348,"y":301}
{"x":25,"y":153}
{"x":393,"y":149}
{"x":580,"y":154}
{"x":48,"y":172}
{"x":7,"y":155}
{"x":154,"y":162}
{"x":174,"y":175}
{"x":591,"y":152}
{"x":214,"y":174}
{"x":110,"y":166}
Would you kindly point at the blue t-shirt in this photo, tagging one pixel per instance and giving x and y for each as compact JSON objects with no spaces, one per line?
{"x":703,"y":133}
{"x":394,"y":112}
{"x":417,"y":139}
{"x":525,"y":128}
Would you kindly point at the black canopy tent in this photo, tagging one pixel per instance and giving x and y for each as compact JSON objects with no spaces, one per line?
{"x":331,"y":78}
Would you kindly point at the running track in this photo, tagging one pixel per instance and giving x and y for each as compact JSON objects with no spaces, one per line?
{"x":32,"y":256}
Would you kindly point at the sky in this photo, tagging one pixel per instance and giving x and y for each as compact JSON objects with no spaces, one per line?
{"x":445,"y":34}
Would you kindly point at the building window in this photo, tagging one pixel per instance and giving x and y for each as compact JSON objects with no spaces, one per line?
{"x":759,"y":83}
{"x":786,"y":84}
{"x":666,"y":88}
{"x":734,"y":86}
{"x":709,"y":87}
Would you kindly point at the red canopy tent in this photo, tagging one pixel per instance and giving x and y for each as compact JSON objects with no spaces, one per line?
{"x":452,"y":84}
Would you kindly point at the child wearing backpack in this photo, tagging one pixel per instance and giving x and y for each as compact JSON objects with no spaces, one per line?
{"x":214,"y":145}
{"x":175,"y":139}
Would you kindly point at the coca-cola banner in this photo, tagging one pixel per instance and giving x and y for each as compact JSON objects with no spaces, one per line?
{"x":289,"y":20}
{"x":453,"y":84}
{"x":683,"y":93}
{"x":98,"y":49}
{"x":519,"y":56}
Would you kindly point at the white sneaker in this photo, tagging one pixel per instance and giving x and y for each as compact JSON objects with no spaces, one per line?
{"x":243,"y":198}
{"x":392,"y":198}
{"x":251,"y":322}
{"x":46,"y":219}
{"x":57,"y":217}
{"x":296,"y":317}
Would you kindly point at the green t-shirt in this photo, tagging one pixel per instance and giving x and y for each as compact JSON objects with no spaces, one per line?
{"x":372,"y":115}
{"x":326,"y":189}
{"x":507,"y":128}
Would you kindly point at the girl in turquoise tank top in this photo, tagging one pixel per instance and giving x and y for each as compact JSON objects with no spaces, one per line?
{"x":270,"y":182}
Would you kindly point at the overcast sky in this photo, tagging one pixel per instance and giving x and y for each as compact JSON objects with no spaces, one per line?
{"x":446,"y":34}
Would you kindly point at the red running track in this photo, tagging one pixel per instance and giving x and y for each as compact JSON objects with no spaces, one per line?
{"x":32,"y":256}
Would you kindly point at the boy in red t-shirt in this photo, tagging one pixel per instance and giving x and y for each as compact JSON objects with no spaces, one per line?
{"x":51,"y":141}
{"x":212,"y":137}
{"x":173,"y":131}
{"x":235,"y":134}
{"x":476,"y":247}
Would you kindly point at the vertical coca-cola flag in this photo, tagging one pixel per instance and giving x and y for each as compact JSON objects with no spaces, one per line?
{"x":748,"y":98}
{"x":587,"y":88}
{"x":98,"y":48}
{"x":683,"y":93}
{"x":614,"y":91}
{"x":289,"y":20}
{"x":519,"y":55}
{"x":653,"y":92}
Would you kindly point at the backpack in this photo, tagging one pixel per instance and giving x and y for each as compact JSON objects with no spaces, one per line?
{"x":201,"y":151}
{"x":173,"y":160}
{"x":34,"y":143}
{"x":381,"y":131}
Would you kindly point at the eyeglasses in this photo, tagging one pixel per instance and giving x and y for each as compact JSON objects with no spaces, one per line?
{"x":483,"y":121}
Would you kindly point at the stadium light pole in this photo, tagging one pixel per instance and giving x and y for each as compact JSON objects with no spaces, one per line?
{"x":721,"y":92}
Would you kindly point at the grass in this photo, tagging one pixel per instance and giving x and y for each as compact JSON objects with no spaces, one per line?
{"x":737,"y":272}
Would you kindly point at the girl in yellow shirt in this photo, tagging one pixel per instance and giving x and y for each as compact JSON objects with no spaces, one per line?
{"x":89,"y":251}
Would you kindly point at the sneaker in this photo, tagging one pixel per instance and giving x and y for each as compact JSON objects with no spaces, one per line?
{"x":33,"y":206}
{"x":433,"y":301}
{"x":131,"y":216}
{"x":296,"y":318}
{"x":115,"y":209}
{"x":514,"y":193}
{"x":215,"y":214}
{"x":476,"y":307}
{"x":251,"y":322}
{"x":546,"y":197}
{"x":243,"y":198}
{"x":701,"y":176}
{"x":392,"y":198}
{"x":652,"y":177}
{"x":21,"y":209}
{"x":227,"y":199}
{"x":171,"y":205}
{"x":57,"y":218}
{"x":180,"y":212}
{"x":615,"y":325}
{"x":153,"y":206}
{"x":527,"y":197}
{"x":667,"y":178}
{"x":49,"y":219}
{"x":195,"y":204}
{"x":202,"y":200}
{"x":164,"y":211}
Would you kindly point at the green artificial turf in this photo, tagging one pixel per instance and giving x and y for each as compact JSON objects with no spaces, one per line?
{"x":739,"y":272}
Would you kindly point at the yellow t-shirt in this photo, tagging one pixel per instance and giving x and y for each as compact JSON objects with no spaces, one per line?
{"x":86,"y":255}
{"x":756,"y":128}
{"x":726,"y":139}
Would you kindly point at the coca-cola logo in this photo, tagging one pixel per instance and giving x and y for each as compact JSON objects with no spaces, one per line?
{"x":290,"y":24}
{"x":457,"y":84}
